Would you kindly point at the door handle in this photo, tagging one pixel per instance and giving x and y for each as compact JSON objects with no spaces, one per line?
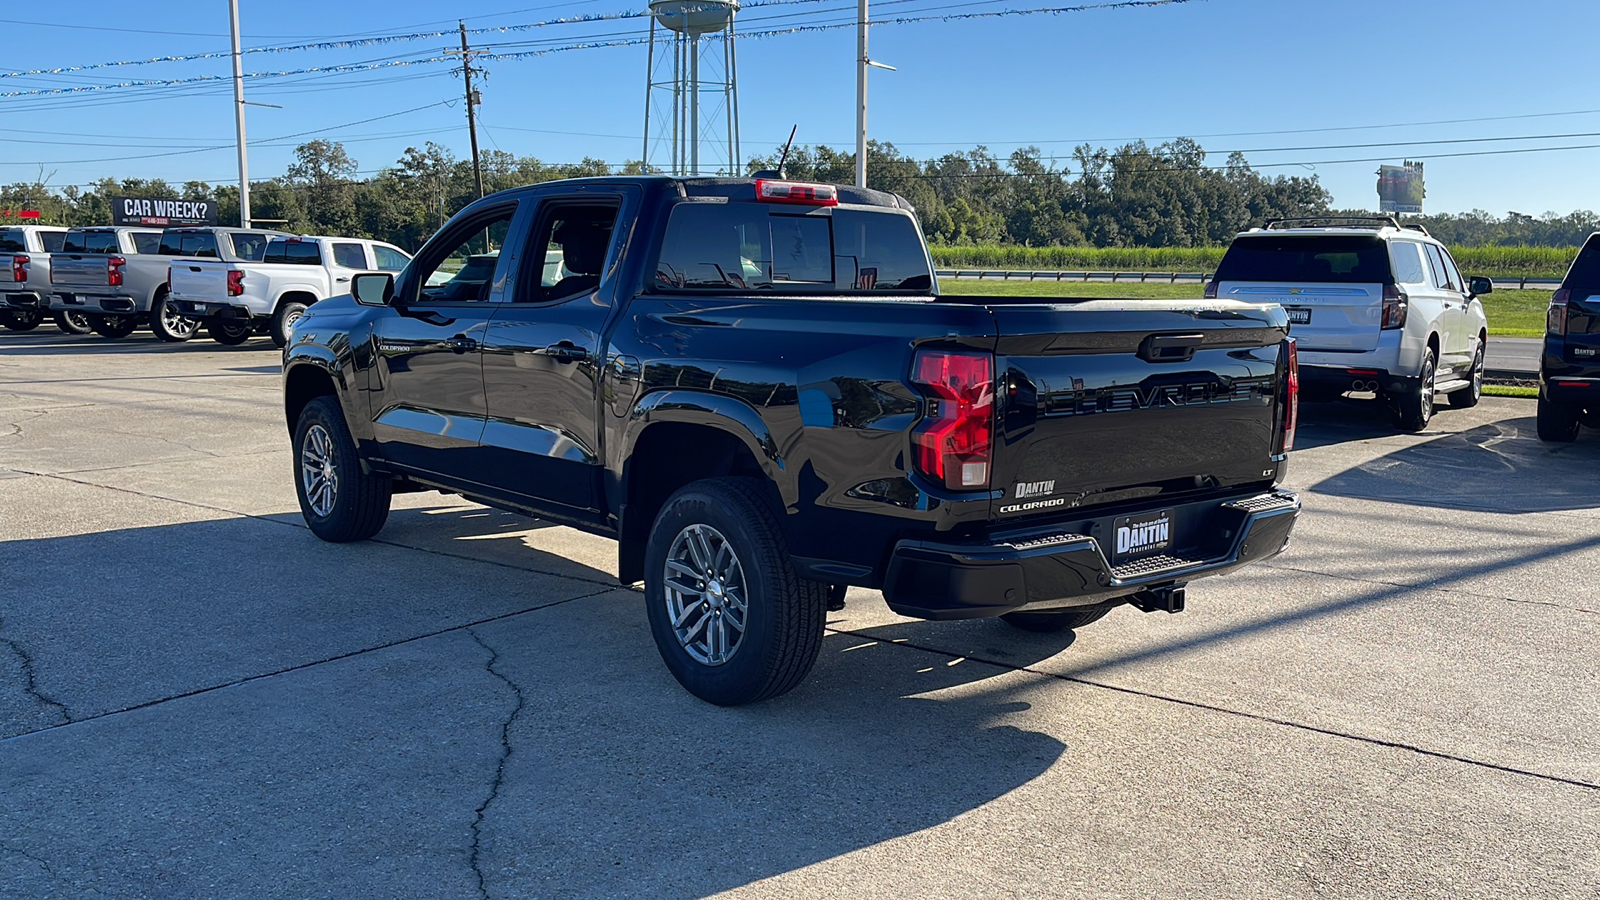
{"x":460,"y":344}
{"x":565,"y":352}
{"x":342,"y":279}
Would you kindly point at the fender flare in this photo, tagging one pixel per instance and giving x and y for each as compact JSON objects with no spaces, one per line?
{"x":723,"y":413}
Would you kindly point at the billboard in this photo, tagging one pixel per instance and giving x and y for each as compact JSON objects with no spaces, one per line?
{"x":1400,"y":188}
{"x":142,"y":211}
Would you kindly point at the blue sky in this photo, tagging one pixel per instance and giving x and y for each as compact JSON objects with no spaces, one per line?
{"x":1321,"y":73}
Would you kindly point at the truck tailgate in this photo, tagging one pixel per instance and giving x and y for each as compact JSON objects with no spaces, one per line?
{"x":1114,"y":401}
{"x":80,"y":270}
{"x":199,"y":281}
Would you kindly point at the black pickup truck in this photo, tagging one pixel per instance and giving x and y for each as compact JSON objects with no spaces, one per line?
{"x":757,"y":389}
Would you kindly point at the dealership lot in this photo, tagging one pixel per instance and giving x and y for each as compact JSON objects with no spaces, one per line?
{"x":199,"y":698}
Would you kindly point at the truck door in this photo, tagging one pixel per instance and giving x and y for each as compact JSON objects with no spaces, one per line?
{"x":543,"y":357}
{"x":427,"y":397}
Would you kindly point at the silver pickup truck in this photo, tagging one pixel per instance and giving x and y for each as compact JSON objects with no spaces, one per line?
{"x":25,"y":252}
{"x":119,"y":276}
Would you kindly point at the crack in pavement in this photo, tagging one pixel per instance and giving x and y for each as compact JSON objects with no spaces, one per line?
{"x":30,"y":680}
{"x":41,"y":862}
{"x":474,"y":856}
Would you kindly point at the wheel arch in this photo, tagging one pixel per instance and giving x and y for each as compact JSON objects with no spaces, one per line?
{"x":304,"y":382}
{"x":298,"y":294}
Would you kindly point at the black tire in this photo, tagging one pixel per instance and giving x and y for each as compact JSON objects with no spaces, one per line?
{"x":284,"y":319}
{"x":783,"y":613}
{"x":1413,"y":409}
{"x":1468,"y":397}
{"x":166,"y":324}
{"x":1558,"y":422}
{"x":1049,"y":621}
{"x":356,"y":503}
{"x":21,"y":319}
{"x":227,"y":332}
{"x":113,"y":326}
{"x":73,"y":322}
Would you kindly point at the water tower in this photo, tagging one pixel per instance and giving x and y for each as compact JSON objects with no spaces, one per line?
{"x":691,"y":111}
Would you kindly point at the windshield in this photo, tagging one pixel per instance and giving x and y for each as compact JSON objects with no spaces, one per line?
{"x":1337,"y":259}
{"x":755,"y":246}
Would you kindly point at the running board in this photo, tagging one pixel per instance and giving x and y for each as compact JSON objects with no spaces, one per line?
{"x":1450,"y":387}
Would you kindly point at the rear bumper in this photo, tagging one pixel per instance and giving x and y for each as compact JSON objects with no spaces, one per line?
{"x":98,"y":303}
{"x":1574,"y":390}
{"x":23,"y":300}
{"x":935,"y":580}
{"x":195,"y":309}
{"x":1346,"y":377}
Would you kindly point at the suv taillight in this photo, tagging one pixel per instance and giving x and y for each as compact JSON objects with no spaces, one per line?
{"x":19,"y":268}
{"x":235,"y":282}
{"x":1395,"y":303}
{"x":1555,"y":321}
{"x":1211,"y":290}
{"x":1291,"y":396}
{"x":953,"y":444}
{"x":114,"y":266}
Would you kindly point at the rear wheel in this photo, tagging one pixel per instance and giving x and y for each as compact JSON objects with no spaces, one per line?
{"x":21,"y":319}
{"x":168,"y":324}
{"x":289,"y":311}
{"x":1558,"y":422}
{"x":113,"y":326}
{"x":1413,"y":409}
{"x":1047,"y":621}
{"x":72,"y":322}
{"x":231,"y":333}
{"x":339,"y":501}
{"x":1468,"y":397}
{"x":733,"y":621}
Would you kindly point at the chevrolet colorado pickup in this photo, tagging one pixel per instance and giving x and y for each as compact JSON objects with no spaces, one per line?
{"x":757,"y":389}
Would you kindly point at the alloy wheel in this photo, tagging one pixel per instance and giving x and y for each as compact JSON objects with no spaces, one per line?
{"x":179,"y":326}
{"x":707,"y":602}
{"x":318,"y":473}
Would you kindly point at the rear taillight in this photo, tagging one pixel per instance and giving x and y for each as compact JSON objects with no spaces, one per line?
{"x":169,"y":278}
{"x":954,"y":443}
{"x":1555,"y":321}
{"x":114,"y":266}
{"x":1291,"y":395}
{"x":1395,"y":303}
{"x":1211,"y":290}
{"x":19,"y":268}
{"x":235,"y":282}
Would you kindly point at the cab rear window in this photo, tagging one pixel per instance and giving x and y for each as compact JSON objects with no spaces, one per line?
{"x":305,"y":253}
{"x":751,"y":246}
{"x":13,"y":241}
{"x":188,"y":243}
{"x":91,"y":242}
{"x":1336,"y":259}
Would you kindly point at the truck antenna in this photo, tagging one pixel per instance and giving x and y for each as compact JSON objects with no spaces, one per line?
{"x":787,"y":144}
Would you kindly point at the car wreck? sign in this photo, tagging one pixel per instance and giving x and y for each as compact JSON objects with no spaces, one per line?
{"x":144,"y":211}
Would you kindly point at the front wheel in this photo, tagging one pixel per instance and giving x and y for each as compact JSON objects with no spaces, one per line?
{"x":733,"y":621}
{"x":1558,"y":422}
{"x":73,"y":322}
{"x":289,"y":312}
{"x":1468,"y":397}
{"x":1413,"y":409}
{"x":169,"y":325}
{"x":113,"y":326}
{"x":1048,"y":621}
{"x":231,"y":333}
{"x":21,"y":319}
{"x":339,"y":501}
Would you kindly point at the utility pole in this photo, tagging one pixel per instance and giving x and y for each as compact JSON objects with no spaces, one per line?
{"x":472,"y":119}
{"x":861,"y":94}
{"x":238,"y":113}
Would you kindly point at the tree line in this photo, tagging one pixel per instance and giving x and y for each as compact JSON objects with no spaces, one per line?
{"x":1133,"y":196}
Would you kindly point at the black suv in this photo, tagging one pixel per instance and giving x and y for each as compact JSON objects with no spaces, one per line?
{"x":1569,"y":371}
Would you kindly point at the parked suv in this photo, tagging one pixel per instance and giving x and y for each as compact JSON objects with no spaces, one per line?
{"x":1569,"y":369}
{"x":1374,"y":306}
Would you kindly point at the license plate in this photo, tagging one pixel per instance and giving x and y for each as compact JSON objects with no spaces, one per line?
{"x":1135,"y":536}
{"x":1298,"y":315}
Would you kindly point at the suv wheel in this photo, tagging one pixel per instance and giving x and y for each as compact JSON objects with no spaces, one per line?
{"x":733,"y":621}
{"x":339,"y":501}
{"x":231,"y":333}
{"x":72,"y":321}
{"x":283,"y":320}
{"x":1468,"y":397}
{"x":1047,"y":621}
{"x":168,"y":325}
{"x":113,"y":326}
{"x":1558,"y":422}
{"x":1414,"y":408}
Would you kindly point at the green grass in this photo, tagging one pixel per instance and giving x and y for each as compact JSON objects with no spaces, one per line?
{"x":1510,"y":390}
{"x":1497,"y":262}
{"x":1511,"y":313}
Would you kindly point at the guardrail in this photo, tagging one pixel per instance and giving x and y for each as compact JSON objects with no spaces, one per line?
{"x":1508,"y":283}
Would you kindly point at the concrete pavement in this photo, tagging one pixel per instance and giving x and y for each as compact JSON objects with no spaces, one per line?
{"x":198,"y":698}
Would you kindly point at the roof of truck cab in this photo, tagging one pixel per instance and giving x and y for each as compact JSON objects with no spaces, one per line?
{"x":732,"y":188}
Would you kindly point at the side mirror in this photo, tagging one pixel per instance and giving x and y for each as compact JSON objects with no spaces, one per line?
{"x":373,"y":288}
{"x":1479,"y":286}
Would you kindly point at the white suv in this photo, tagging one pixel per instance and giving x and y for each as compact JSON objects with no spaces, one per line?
{"x":1374,"y":306}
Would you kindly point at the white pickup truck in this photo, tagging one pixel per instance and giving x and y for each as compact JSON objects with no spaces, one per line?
{"x":235,"y":300}
{"x":25,"y":277}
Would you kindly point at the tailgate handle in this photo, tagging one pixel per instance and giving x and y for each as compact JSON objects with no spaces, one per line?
{"x":1170,"y":347}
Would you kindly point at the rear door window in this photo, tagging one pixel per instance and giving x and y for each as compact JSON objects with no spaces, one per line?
{"x":350,"y":256}
{"x":52,"y":240}
{"x":1327,"y":259}
{"x":748,"y":246}
{"x":189,"y":243}
{"x":12,"y":240}
{"x":1407,"y":258}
